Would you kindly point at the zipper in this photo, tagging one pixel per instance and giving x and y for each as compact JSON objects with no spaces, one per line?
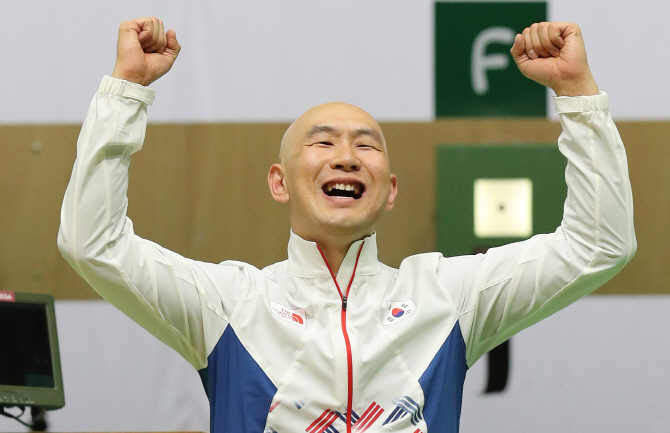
{"x":347,"y":343}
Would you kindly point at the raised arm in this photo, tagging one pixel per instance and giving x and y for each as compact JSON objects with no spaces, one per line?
{"x":182,"y":302}
{"x":511,"y":287}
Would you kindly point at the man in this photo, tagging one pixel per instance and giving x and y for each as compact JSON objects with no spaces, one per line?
{"x":331,"y":339}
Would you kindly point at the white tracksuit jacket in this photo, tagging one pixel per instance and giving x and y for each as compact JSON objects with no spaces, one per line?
{"x":278,"y":351}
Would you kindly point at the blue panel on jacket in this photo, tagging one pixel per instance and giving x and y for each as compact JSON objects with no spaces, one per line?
{"x":442,"y":385}
{"x":240,"y":393}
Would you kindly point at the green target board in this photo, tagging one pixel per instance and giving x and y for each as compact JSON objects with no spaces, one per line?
{"x":491,"y":195}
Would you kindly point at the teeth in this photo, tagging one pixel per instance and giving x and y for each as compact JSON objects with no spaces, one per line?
{"x":342,"y":187}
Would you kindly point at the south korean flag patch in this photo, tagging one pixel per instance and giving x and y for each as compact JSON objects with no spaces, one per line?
{"x":397,"y":311}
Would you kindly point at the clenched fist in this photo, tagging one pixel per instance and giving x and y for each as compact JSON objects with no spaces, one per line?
{"x":553,"y":54}
{"x":145,"y":52}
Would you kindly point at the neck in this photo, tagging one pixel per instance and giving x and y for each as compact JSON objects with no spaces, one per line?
{"x":333,"y":243}
{"x":334,"y":247}
{"x":334,"y":255}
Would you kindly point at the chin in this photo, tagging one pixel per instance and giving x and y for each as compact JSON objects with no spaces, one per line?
{"x":350,"y":226}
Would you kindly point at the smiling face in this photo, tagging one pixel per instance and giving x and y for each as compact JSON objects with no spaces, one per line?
{"x":334,"y":173}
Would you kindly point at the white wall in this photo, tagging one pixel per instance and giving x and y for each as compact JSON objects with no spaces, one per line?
{"x":601,"y":365}
{"x":270,"y":60}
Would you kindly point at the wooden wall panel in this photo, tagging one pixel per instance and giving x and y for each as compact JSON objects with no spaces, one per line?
{"x":35,"y":166}
{"x":648,"y":148}
{"x":201,"y":190}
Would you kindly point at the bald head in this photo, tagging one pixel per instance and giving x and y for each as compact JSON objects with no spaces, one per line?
{"x":329,"y":117}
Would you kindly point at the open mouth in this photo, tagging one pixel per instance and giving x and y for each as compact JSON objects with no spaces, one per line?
{"x":350,"y":189}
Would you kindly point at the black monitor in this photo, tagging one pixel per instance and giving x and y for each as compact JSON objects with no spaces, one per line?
{"x":30,"y":371}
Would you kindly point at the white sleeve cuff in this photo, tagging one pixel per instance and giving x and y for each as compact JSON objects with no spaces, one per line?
{"x":581,"y":104}
{"x":126,"y":89}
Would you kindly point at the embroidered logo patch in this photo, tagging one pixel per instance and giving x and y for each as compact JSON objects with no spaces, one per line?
{"x":397,"y":311}
{"x":297,"y":317}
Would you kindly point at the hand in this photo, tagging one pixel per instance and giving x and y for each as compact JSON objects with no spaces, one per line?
{"x":144,"y":51}
{"x":553,"y":54}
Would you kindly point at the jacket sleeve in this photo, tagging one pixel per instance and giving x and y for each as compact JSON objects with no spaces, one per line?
{"x":514,"y":286}
{"x":185,"y":303}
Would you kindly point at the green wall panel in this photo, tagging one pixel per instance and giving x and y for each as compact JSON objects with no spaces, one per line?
{"x":475,"y":74}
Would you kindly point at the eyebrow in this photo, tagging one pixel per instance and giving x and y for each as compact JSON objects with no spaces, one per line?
{"x":317,"y":129}
{"x":370,"y":132}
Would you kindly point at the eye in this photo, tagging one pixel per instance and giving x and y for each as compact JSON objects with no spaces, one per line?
{"x":324,"y":143}
{"x":365,"y":146}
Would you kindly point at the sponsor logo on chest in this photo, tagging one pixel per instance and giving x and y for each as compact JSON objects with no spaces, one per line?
{"x":296,"y":317}
{"x":397,"y":311}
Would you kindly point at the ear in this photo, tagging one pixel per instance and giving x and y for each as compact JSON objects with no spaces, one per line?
{"x":393,"y":187}
{"x":277,"y":184}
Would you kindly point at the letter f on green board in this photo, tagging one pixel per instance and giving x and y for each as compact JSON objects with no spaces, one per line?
{"x":475,"y":74}
{"x":482,"y":62}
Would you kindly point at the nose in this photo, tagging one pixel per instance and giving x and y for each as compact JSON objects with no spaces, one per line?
{"x":345,"y":159}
